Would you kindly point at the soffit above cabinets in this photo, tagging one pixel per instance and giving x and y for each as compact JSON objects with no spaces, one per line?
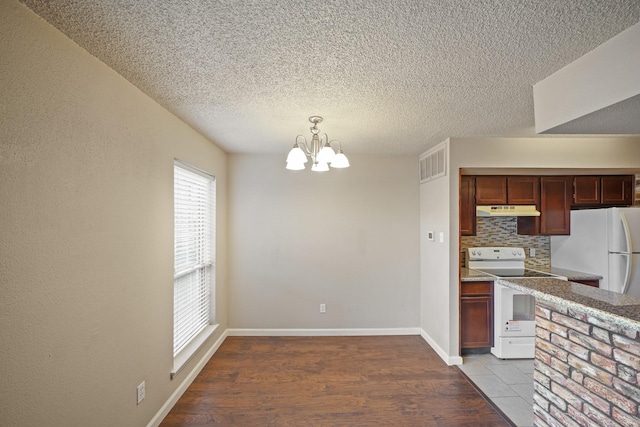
{"x":598,"y":93}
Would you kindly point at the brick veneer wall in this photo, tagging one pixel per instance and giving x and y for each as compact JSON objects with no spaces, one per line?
{"x":587,"y":369}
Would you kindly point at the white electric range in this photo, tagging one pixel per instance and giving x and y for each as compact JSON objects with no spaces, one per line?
{"x":513,"y":310}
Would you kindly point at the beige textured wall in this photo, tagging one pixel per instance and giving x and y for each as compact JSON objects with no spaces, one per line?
{"x":347,"y":238}
{"x":86,"y":234}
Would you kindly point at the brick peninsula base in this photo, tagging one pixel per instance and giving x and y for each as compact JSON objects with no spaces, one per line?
{"x":587,"y":369}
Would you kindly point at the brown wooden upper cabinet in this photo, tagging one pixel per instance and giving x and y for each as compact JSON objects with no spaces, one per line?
{"x":507,"y":190}
{"x":491,"y":190}
{"x":601,"y":191}
{"x":554,"y":197}
{"x":618,"y":190}
{"x":555,"y":204}
{"x":586,"y":191}
{"x":467,"y":205}
{"x":523,"y":190}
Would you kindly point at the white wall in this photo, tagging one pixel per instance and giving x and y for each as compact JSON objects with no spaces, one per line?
{"x":536,"y":155}
{"x":347,"y":238}
{"x":435,"y":297}
{"x":86,"y":234}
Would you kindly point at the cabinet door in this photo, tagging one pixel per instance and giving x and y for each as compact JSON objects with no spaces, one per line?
{"x":586,"y":190}
{"x":618,"y":190}
{"x":491,"y":190}
{"x":467,"y":206}
{"x":523,"y":190}
{"x":555,"y":204}
{"x":476,"y":322}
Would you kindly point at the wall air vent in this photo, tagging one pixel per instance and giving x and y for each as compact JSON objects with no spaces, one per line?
{"x":433,"y":163}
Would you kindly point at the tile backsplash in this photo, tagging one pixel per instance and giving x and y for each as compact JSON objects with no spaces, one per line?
{"x":502,"y":232}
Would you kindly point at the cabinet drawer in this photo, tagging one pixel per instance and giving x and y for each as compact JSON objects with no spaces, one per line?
{"x":476,"y":288}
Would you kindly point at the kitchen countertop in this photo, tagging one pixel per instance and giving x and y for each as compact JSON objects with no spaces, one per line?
{"x":623,"y":310}
{"x":570,"y":274}
{"x":468,"y":275}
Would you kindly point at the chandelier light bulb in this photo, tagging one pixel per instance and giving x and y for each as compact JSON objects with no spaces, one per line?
{"x":320,"y":167}
{"x":340,"y":161}
{"x":295,"y":166}
{"x":327,"y":154}
{"x":296,"y":155}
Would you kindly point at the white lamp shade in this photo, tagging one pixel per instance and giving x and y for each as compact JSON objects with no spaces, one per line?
{"x":296,"y":155}
{"x":320,"y":167}
{"x":340,"y":161}
{"x":326,"y":155}
{"x":295,"y":166}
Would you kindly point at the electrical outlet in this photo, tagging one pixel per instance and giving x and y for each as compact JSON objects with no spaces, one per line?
{"x":140,"y":392}
{"x":323,"y":308}
{"x":532,"y":252}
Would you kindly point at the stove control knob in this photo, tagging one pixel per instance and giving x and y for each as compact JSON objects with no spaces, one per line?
{"x":479,"y":252}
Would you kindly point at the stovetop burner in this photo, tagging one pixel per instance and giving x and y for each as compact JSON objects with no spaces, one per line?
{"x":503,"y":262}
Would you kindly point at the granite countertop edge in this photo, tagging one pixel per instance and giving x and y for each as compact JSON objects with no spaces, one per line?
{"x":622,"y":310}
{"x":469,"y":275}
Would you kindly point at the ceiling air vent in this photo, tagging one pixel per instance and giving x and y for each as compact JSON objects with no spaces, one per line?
{"x":433,"y":164}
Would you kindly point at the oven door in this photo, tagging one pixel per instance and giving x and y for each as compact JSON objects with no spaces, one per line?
{"x":515,"y":313}
{"x":514,"y":323}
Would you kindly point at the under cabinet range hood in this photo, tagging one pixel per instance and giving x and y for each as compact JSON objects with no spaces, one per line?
{"x":507,"y":210}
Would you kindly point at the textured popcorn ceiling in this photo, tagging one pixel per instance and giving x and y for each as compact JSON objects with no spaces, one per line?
{"x":386,"y":75}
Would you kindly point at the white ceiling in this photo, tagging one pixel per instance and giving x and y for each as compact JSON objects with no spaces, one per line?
{"x":387,"y":75}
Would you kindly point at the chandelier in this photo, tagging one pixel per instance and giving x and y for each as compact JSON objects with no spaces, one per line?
{"x":319,"y":151}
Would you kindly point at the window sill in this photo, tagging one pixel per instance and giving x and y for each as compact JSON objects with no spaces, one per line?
{"x":191,"y":349}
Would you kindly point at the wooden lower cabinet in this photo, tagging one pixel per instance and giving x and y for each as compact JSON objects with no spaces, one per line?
{"x":476,"y":315}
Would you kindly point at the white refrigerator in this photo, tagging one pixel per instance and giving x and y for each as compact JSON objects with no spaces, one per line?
{"x":605,"y":242}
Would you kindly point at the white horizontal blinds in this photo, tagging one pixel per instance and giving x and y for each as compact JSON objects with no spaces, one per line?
{"x":194,"y":212}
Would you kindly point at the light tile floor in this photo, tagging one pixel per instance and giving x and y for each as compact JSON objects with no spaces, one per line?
{"x":508,"y":383}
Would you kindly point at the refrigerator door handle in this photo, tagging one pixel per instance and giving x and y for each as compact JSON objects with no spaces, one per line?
{"x":627,"y":274}
{"x":627,"y":237}
{"x":627,"y":233}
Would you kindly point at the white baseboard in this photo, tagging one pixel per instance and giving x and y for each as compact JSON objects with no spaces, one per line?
{"x":164,"y":410}
{"x":321,"y":332}
{"x":449,"y":360}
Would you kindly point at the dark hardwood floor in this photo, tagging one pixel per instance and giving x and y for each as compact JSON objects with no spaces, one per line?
{"x":330,"y":381}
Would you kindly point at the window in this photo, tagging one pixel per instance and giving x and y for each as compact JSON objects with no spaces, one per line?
{"x":194,"y":248}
